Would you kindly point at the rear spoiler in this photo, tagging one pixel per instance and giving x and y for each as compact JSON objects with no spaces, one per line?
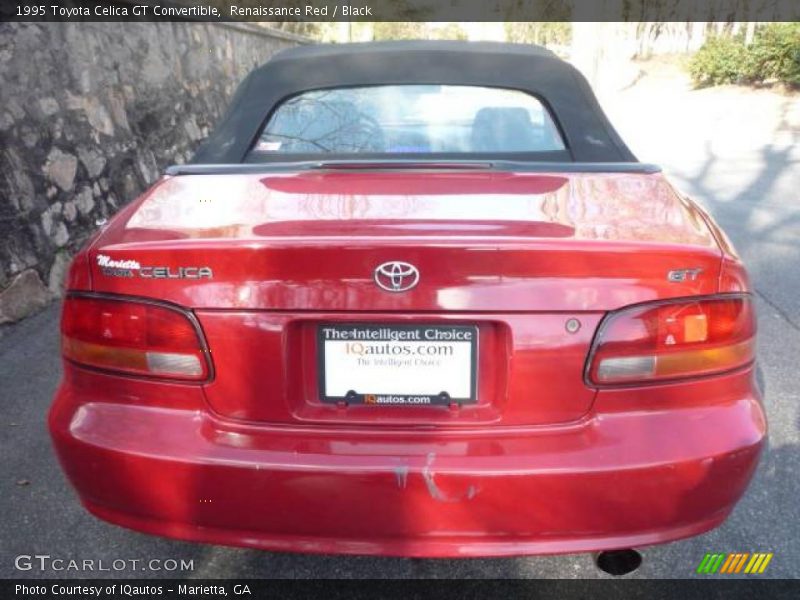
{"x":400,"y":164}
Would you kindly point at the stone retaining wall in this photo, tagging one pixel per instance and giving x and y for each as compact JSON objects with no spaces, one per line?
{"x":90,"y":114}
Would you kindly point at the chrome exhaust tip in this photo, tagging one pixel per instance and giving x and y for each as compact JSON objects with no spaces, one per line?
{"x":618,"y":562}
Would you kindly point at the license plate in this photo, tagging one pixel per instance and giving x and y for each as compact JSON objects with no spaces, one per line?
{"x":377,"y":364}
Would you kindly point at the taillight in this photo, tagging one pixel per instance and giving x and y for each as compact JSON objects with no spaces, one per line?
{"x":134,"y":337}
{"x":673,"y":339}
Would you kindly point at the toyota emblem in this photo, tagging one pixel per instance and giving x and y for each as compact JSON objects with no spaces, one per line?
{"x":396,"y":276}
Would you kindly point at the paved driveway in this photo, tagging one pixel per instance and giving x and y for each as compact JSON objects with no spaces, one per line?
{"x":733,"y":152}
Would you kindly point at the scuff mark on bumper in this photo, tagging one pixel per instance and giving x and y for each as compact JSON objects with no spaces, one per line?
{"x":436,"y":492}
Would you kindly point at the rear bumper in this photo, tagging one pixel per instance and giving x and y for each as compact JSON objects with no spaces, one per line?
{"x":613,"y":480}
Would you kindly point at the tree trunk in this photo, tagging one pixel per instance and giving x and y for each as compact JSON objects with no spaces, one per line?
{"x":586,"y":48}
{"x":645,"y":41}
{"x":697,"y":37}
{"x":749,"y":33}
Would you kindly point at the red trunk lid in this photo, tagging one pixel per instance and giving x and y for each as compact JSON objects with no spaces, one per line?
{"x":486,"y":241}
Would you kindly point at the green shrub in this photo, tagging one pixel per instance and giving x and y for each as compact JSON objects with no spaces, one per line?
{"x":773,"y":55}
{"x":721,"y":60}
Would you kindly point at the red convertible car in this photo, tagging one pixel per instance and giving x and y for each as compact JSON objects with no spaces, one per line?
{"x":411,"y":299}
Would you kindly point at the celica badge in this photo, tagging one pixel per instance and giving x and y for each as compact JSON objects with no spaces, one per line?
{"x":111,"y":267}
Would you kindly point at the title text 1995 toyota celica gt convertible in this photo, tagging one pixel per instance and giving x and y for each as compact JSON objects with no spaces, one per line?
{"x":411,"y":299}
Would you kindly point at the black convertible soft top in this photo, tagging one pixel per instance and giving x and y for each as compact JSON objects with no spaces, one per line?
{"x":587,"y":132}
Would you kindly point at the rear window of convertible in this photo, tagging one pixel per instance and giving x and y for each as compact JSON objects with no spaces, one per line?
{"x":419,"y":119}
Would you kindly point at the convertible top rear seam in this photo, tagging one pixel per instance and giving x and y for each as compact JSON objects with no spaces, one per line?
{"x":389,"y":165}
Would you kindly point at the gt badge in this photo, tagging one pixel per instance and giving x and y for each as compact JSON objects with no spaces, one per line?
{"x":679,"y":275}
